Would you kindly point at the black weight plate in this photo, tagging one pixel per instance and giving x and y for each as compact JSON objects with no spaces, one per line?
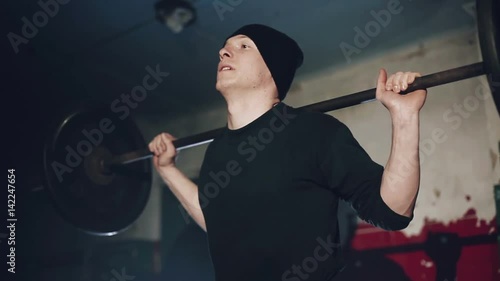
{"x":95,"y":201}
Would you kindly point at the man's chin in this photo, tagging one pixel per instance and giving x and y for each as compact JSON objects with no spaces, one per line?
{"x":222,"y":85}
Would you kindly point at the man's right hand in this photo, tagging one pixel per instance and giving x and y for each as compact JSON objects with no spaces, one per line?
{"x":184,"y":189}
{"x":164,"y":151}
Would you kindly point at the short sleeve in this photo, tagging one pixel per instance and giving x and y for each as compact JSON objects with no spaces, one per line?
{"x":356,"y":178}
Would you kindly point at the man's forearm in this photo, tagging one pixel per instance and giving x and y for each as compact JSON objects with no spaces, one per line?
{"x":401,"y":178}
{"x":186,"y":192}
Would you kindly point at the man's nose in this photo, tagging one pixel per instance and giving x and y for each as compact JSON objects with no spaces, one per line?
{"x":224,"y":52}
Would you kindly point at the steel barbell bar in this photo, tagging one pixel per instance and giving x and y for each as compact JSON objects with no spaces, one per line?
{"x":424,"y":82}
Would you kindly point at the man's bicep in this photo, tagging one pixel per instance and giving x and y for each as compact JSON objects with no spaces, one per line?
{"x":347,"y":166}
{"x":356,"y":178}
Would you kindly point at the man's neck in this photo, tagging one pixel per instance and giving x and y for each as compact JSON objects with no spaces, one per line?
{"x":242,"y":112}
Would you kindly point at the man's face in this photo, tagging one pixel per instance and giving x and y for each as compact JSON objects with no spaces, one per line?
{"x":241,"y":66}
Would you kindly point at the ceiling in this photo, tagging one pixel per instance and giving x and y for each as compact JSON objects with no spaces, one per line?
{"x":99,"y":49}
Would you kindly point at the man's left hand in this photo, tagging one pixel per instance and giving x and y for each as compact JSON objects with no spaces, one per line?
{"x":388,"y":92}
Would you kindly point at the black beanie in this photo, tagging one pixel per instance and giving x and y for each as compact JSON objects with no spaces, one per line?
{"x":281,"y":53}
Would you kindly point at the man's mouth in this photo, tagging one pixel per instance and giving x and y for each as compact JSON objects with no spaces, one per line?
{"x":225,"y":68}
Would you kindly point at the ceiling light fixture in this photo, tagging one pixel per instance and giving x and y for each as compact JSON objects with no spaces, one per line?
{"x":175,"y":14}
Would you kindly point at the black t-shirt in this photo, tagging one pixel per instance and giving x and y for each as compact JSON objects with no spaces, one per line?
{"x":269,"y":193}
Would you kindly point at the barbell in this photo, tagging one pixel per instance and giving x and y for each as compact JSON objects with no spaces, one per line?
{"x":92,"y":160}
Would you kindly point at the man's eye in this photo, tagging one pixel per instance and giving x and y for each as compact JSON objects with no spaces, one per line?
{"x":245,"y":46}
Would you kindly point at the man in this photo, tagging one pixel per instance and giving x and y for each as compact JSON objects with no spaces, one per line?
{"x":269,"y":185}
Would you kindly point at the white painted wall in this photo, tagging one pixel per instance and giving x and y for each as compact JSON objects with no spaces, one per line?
{"x":463,"y":161}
